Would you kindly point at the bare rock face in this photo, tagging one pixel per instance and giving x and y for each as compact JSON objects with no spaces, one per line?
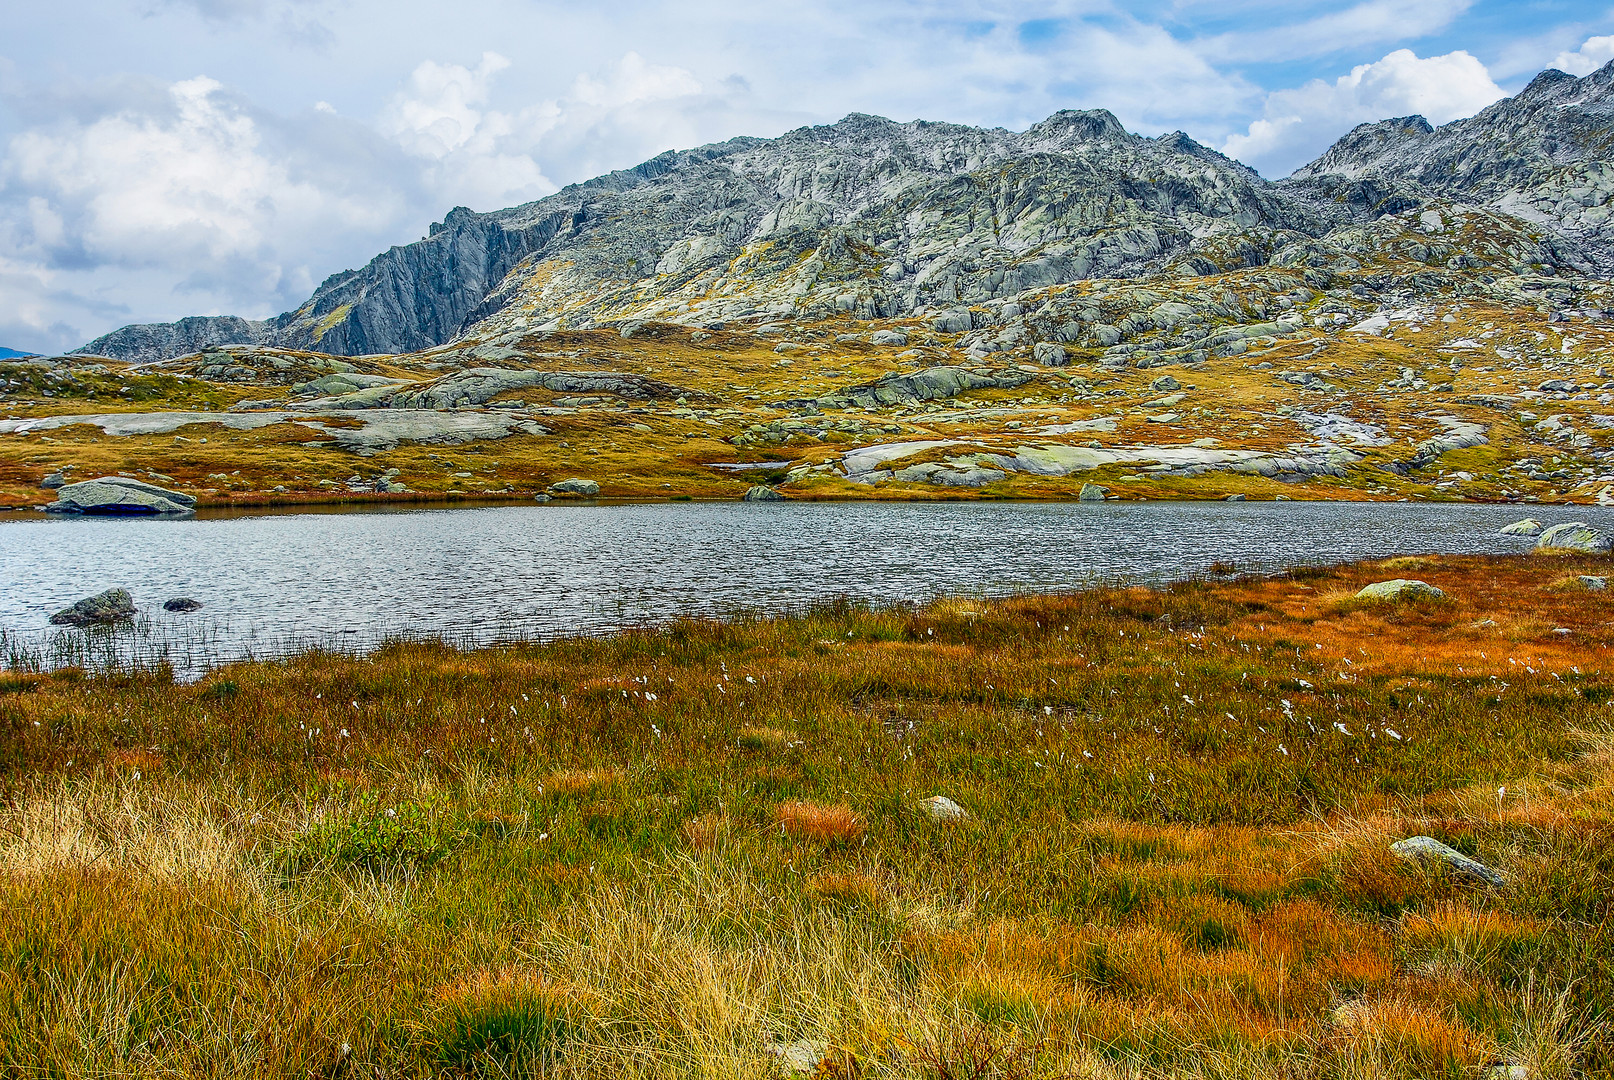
{"x":1541,"y":156}
{"x":954,"y":225}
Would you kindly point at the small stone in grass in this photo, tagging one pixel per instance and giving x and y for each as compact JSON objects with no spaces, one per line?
{"x":799,"y":1058}
{"x":941,"y":808}
{"x":1427,"y":848}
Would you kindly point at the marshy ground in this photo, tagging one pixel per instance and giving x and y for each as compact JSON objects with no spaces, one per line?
{"x":696,"y":850}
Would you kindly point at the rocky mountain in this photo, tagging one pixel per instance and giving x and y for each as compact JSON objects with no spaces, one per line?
{"x":1546,"y":156}
{"x":875,"y":219}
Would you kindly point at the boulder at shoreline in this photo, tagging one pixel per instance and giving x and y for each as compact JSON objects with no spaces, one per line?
{"x":120,"y":496}
{"x":1575,"y":536}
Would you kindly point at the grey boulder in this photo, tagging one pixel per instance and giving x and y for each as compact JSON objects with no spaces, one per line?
{"x":1400,"y":589}
{"x":183,"y":605}
{"x":1527,"y":527}
{"x":112,"y":606}
{"x":576,"y":486}
{"x":120,"y":496}
{"x":1165,"y":382}
{"x":1428,"y":849}
{"x":762,"y":493}
{"x":1574,"y":536}
{"x":888,"y":337}
{"x":1049,"y":354}
{"x":1091,"y":493}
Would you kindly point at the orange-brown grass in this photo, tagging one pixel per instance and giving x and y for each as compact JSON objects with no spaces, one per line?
{"x":582,"y":781}
{"x":851,"y":888}
{"x":705,"y":832}
{"x":1175,"y":861}
{"x":824,"y":824}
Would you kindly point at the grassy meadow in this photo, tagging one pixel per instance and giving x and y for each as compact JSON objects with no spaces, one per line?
{"x":697,"y":851}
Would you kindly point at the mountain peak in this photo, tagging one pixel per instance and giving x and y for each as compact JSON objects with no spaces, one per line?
{"x":1083,"y":124}
{"x":1362,"y":147}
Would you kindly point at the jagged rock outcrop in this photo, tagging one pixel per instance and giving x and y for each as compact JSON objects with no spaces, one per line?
{"x":877,"y":219}
{"x":1543,"y":156}
{"x":146,"y":342}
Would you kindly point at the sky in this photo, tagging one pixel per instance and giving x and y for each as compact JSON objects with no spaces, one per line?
{"x":162,"y":158}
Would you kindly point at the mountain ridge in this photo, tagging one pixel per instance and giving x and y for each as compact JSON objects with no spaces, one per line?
{"x":888,"y":219}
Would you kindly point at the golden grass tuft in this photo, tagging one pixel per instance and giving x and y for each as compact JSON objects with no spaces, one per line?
{"x":767,"y":739}
{"x":818,"y":822}
{"x":849,"y":889}
{"x":582,"y":781}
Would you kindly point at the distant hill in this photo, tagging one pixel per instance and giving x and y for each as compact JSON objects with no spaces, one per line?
{"x":12,"y":354}
{"x":882,"y":220}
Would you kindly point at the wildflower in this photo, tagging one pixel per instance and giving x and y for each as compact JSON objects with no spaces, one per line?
{"x":1392,"y":733}
{"x":1284,"y":750}
{"x":1343,"y":730}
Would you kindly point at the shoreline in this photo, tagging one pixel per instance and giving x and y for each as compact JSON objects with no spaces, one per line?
{"x":255,"y":506}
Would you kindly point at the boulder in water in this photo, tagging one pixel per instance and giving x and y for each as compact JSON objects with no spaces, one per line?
{"x":762,"y":493}
{"x":183,"y":605}
{"x":112,"y":606}
{"x":1527,"y":527}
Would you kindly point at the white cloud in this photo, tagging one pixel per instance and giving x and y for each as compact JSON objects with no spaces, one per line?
{"x":471,"y":152}
{"x":1298,"y":124}
{"x":633,"y":81}
{"x":190,"y":187}
{"x":1593,"y":54}
{"x":192,"y":194}
{"x":1363,"y":24}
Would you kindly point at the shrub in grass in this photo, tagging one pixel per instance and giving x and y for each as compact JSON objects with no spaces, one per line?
{"x":382,"y":836}
{"x":508,"y":1022}
{"x":998,"y":1004}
